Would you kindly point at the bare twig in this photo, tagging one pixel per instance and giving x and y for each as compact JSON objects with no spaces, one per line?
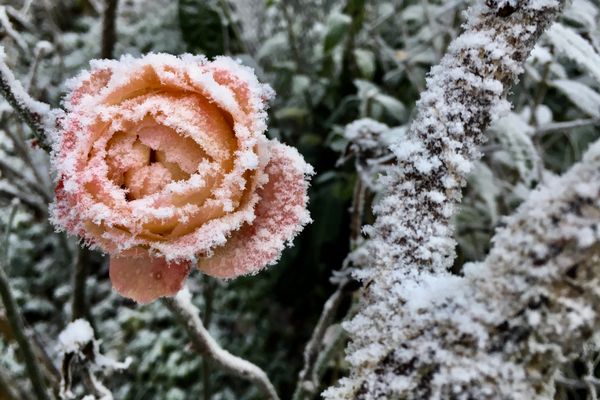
{"x":188,"y":315}
{"x":79,"y":305}
{"x":292,"y":38}
{"x":17,"y":324}
{"x":41,"y":49}
{"x":109,"y":32}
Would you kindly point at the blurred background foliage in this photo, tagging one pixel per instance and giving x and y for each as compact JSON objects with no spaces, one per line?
{"x":331,"y":62}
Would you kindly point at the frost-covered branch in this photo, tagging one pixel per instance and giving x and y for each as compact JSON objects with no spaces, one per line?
{"x":17,"y":324}
{"x":77,"y":345}
{"x":503,"y":329}
{"x":187,"y":314}
{"x":35,"y":114}
{"x":412,"y":235}
{"x":308,"y":380}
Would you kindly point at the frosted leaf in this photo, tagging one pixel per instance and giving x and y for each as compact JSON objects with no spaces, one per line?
{"x":567,"y":41}
{"x":582,"y":96}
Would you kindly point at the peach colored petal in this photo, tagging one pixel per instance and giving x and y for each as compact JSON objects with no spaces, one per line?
{"x":144,"y":279}
{"x":163,"y":159}
{"x":280,"y":215}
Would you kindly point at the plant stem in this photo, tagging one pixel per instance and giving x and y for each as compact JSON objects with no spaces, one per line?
{"x":188,"y":315}
{"x":16,"y":321}
{"x":109,"y":33}
{"x":29,"y":110}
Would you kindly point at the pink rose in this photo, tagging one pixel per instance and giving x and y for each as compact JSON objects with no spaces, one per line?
{"x":163,"y":160}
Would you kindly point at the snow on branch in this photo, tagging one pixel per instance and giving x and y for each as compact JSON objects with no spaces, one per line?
{"x":411,"y":240}
{"x":77,"y":344}
{"x":37,"y":115}
{"x":185,"y":311}
{"x":502,"y":330}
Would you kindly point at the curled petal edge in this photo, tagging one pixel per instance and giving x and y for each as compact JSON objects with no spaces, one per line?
{"x":280,"y":215}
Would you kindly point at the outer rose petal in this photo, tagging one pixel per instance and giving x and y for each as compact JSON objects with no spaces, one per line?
{"x":280,"y":215}
{"x":144,"y":279}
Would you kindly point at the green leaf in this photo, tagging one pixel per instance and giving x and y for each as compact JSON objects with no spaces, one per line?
{"x":276,"y":44}
{"x":391,"y":105}
{"x":365,"y":61}
{"x":337,"y":26}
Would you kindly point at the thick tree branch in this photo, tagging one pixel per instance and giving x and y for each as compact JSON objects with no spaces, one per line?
{"x":503,"y":330}
{"x":181,"y":306}
{"x":412,"y":235}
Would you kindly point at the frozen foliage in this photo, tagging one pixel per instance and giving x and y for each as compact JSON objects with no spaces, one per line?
{"x":576,"y":48}
{"x":515,"y":134}
{"x":412,"y":236}
{"x":368,"y":141}
{"x":331,"y":62}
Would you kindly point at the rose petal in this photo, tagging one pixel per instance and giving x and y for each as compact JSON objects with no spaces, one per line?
{"x":280,"y":215}
{"x":144,"y":279}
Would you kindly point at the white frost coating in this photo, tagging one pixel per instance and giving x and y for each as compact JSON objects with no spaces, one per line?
{"x":26,"y":107}
{"x":368,"y":142}
{"x":75,"y":335}
{"x":502,"y":330}
{"x":584,"y":97}
{"x":576,"y":48}
{"x":183,"y":307}
{"x":73,"y":344}
{"x":514,"y":133}
{"x":411,"y":240}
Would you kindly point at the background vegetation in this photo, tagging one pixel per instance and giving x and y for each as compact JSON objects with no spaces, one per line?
{"x":331,"y":63}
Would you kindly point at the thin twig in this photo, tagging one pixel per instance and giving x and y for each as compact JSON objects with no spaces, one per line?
{"x":188,"y":315}
{"x":79,"y":307}
{"x":567,"y":125}
{"x":307,"y":381}
{"x":30,"y":111}
{"x":208,"y":308}
{"x":308,"y":378}
{"x":17,"y":324}
{"x":109,"y":32}
{"x":10,"y":31}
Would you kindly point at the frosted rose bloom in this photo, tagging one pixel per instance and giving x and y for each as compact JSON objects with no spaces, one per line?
{"x":163,"y":161}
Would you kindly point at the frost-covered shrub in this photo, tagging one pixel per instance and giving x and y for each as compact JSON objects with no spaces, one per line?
{"x":331,"y":63}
